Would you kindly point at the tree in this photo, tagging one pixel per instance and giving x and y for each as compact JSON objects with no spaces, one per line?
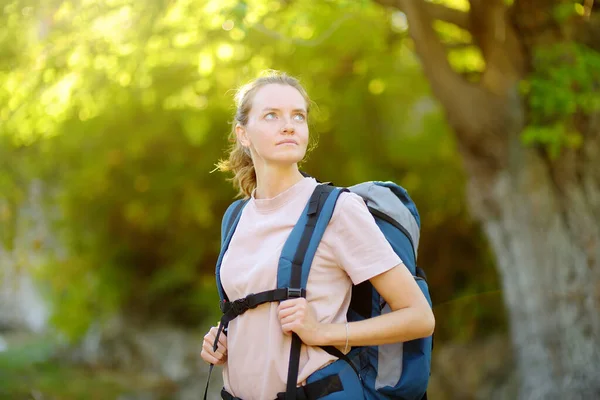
{"x":528,"y":130}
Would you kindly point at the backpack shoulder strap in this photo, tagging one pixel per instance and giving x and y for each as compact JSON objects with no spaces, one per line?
{"x":299,"y":249}
{"x":230,"y":220}
{"x":228,"y":225}
{"x":296,"y":258}
{"x":230,"y":216}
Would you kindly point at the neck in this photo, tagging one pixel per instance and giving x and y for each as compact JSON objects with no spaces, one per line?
{"x":272,"y":181}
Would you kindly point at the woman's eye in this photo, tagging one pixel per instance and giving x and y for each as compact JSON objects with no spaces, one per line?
{"x":270,"y":115}
{"x":299,"y":117}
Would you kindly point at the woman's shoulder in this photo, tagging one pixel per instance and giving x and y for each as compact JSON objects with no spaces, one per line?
{"x":350,"y":198}
{"x":349,"y":205}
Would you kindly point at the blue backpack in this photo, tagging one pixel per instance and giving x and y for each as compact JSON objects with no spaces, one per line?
{"x":390,"y":371}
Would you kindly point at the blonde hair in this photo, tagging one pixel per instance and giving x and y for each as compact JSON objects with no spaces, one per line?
{"x":239,"y":161}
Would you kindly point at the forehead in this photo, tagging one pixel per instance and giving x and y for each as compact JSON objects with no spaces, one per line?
{"x":278,"y":96}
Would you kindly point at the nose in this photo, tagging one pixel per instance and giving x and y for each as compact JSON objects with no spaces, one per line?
{"x":288,"y":127}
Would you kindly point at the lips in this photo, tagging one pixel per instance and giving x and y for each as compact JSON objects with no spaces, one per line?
{"x":287,"y":141}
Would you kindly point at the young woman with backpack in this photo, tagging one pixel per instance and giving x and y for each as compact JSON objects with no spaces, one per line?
{"x":270,"y":136}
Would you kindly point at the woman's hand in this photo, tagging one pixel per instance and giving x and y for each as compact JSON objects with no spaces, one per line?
{"x":296,"y":315}
{"x":218,"y":357}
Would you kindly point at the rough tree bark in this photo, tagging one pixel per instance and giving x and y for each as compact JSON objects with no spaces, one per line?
{"x":542,"y":216}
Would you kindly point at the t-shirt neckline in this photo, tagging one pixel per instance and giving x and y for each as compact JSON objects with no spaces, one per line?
{"x":283,"y":198}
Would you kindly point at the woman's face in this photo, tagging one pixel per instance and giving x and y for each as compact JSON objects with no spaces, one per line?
{"x":277,"y":129}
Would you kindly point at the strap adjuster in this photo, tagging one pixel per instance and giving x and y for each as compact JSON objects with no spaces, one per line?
{"x":239,"y":306}
{"x":293,"y":293}
{"x":224,"y":306}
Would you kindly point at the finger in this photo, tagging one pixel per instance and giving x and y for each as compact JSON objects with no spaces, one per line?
{"x":218,"y":354}
{"x":288,"y":320}
{"x":209,"y":358}
{"x":283,"y":313}
{"x":212,"y":334}
{"x":222,"y":339}
{"x":221,"y":350}
{"x":290,"y":303}
{"x":290,"y":327}
{"x":215,"y":329}
{"x":209,"y":344}
{"x":210,"y":339}
{"x":287,"y":328}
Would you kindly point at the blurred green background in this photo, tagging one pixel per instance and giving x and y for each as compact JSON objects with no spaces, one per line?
{"x":112,"y":116}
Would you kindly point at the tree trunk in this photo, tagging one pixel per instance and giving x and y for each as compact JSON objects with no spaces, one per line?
{"x":542,"y":216}
{"x":546,"y":238}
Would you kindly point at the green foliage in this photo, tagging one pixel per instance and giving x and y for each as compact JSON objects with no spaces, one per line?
{"x":564,"y":84}
{"x":564,"y":11}
{"x":463,"y":55}
{"x":121,"y":108}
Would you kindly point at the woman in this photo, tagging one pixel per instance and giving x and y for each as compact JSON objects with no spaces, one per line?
{"x":271,"y":137}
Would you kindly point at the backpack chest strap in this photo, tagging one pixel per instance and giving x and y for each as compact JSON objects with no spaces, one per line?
{"x":233,"y":309}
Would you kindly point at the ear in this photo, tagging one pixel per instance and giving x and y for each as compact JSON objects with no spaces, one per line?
{"x":242,"y":136}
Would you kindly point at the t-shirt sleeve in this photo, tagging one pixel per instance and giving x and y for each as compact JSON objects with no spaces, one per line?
{"x":359,"y":246}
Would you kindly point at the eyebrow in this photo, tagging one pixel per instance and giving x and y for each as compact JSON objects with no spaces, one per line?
{"x":277,"y":109}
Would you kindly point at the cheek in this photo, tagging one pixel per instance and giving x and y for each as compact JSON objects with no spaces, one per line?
{"x":263,"y":139}
{"x":258,"y":136}
{"x":305,"y":136}
{"x":302,"y":132}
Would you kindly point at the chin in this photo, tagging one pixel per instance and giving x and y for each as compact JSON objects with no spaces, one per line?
{"x":287,"y":157}
{"x":286,"y":160}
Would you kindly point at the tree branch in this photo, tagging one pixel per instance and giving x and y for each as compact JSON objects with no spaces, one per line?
{"x":447,"y":14}
{"x":436,"y":11}
{"x":589,"y":32}
{"x":445,"y":82}
{"x":481,"y":118}
{"x":536,"y":22}
{"x":499,"y":45}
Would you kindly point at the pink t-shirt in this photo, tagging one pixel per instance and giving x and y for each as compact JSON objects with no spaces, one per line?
{"x":352,"y":250}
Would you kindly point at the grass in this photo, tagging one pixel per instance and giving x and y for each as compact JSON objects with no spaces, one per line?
{"x":50,"y":381}
{"x":28,"y":370}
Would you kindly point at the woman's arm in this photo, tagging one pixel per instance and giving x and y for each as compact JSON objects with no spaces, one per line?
{"x":411,"y":317}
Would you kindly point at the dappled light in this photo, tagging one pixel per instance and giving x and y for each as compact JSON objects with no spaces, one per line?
{"x":113,"y":114}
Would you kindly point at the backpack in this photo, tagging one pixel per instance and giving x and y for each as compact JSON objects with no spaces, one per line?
{"x":390,"y":371}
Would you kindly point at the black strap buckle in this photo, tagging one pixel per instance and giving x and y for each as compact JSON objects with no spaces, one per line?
{"x":293,"y":293}
{"x":240,"y":306}
{"x":237,"y":307}
{"x":224,"y":306}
